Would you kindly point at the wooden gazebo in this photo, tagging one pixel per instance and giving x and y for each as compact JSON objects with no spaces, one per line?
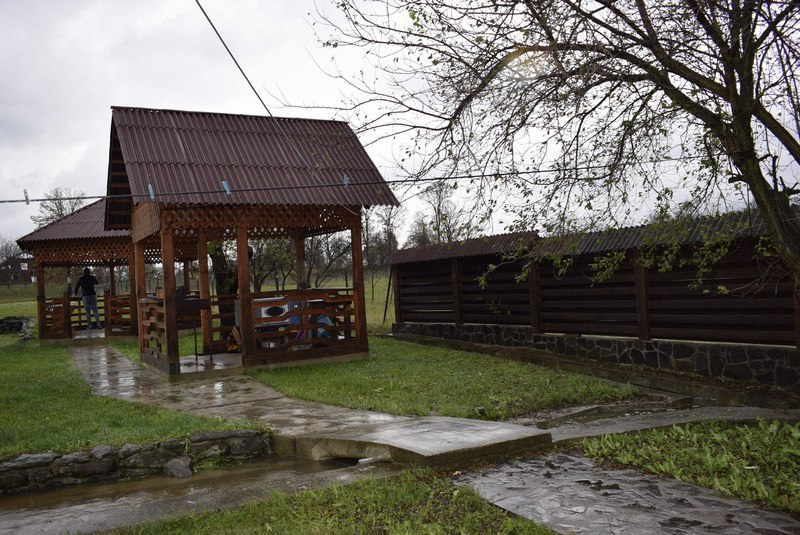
{"x":178,"y":180}
{"x":78,"y":240}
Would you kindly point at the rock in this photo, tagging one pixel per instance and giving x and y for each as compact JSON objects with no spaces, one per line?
{"x":104,"y":452}
{"x":129,"y":449}
{"x":30,"y":460}
{"x":180,"y":467}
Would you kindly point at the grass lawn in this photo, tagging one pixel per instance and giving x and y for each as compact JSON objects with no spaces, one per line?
{"x":757,"y":463}
{"x":48,"y":407}
{"x":403,"y":378}
{"x":416,"y":501}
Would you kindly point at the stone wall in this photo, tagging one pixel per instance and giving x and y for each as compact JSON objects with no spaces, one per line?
{"x":767,"y":365}
{"x":173,"y":457}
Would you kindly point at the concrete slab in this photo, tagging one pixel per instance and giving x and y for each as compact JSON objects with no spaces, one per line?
{"x":432,"y":440}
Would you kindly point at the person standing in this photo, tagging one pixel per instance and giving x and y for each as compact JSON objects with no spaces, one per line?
{"x":86,"y":283}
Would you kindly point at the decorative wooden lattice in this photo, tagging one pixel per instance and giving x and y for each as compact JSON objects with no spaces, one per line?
{"x":95,"y":252}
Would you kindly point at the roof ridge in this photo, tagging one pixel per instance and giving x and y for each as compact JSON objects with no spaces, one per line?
{"x":231,"y":114}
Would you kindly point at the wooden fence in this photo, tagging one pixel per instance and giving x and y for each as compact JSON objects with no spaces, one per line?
{"x":740,"y":300}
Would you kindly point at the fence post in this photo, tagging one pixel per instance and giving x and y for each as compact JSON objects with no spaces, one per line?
{"x":455,"y":274}
{"x":398,"y":315}
{"x":67,"y":308}
{"x":642,"y":313}
{"x":535,"y":298}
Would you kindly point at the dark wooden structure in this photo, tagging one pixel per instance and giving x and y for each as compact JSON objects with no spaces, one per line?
{"x":78,"y":240}
{"x":741,"y":299}
{"x":179,"y":180}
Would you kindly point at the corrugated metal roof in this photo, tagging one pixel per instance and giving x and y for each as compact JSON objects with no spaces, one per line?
{"x":185,"y":156}
{"x":740,"y":224}
{"x":84,"y":223}
{"x":499,"y":243}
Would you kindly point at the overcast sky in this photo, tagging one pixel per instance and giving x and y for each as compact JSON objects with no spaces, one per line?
{"x":65,"y":63}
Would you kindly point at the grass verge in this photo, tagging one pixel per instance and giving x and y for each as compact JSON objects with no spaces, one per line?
{"x":758,"y":463}
{"x":416,"y":501}
{"x":403,"y":378}
{"x":48,"y":407}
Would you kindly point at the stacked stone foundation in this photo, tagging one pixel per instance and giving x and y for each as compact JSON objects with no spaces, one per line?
{"x":777,"y":366}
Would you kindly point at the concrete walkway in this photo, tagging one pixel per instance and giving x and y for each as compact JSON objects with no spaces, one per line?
{"x":307,"y":429}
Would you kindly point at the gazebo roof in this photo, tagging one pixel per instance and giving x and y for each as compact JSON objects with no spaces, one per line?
{"x":79,"y":238}
{"x":183,"y":158}
{"x":85,"y":223}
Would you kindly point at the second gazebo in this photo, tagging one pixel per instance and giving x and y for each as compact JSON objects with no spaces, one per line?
{"x":178,"y":180}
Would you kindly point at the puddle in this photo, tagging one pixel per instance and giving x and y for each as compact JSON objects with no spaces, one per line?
{"x":98,"y":507}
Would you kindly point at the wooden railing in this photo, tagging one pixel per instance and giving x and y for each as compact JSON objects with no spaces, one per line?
{"x":56,"y":314}
{"x":117,"y":314}
{"x":78,"y":321}
{"x":152,"y":333}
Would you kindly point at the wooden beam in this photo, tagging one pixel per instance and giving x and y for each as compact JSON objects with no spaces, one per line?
{"x":247,"y":325}
{"x":204,"y":288}
{"x":187,"y":280}
{"x":40,"y":297}
{"x":797,"y":318}
{"x":170,"y":315}
{"x":299,"y":258}
{"x":133,"y":290}
{"x":141,"y":290}
{"x":359,"y":303}
{"x":112,"y":281}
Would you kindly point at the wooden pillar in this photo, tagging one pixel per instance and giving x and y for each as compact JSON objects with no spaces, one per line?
{"x":40,"y":298}
{"x":112,"y":280}
{"x":398,"y":309}
{"x":536,"y":298}
{"x":170,"y":316}
{"x":133,"y":293}
{"x":246,"y":325}
{"x":358,"y":285}
{"x":642,"y":310}
{"x":141,"y":289}
{"x":187,"y":280}
{"x":299,"y":258}
{"x":109,"y":318}
{"x":204,"y":288}
{"x":455,"y":276}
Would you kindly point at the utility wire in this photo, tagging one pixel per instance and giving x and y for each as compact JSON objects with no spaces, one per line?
{"x":266,"y":108}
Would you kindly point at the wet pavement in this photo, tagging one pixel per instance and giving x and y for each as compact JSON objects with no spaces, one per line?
{"x":573,"y":495}
{"x":569,"y":494}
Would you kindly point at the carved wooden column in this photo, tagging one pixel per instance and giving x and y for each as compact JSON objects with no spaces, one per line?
{"x":141,"y":290}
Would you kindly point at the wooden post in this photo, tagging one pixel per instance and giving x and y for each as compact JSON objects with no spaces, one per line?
{"x":358,"y":285}
{"x":642,"y":312}
{"x":40,"y":298}
{"x":170,"y":316}
{"x":246,"y":324}
{"x":299,"y":258}
{"x":536,"y":298}
{"x":133,"y":294}
{"x":398,"y":310}
{"x":187,"y":280}
{"x":455,"y":276}
{"x":107,"y":312}
{"x":67,"y":307}
{"x":204,"y":289}
{"x":141,"y":291}
{"x":112,"y":280}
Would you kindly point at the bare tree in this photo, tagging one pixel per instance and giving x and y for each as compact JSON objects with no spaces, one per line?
{"x":326,"y":256}
{"x":270,"y":259}
{"x":59,"y":202}
{"x":592,"y":110}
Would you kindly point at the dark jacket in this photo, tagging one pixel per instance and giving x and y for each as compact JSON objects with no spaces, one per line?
{"x":86,"y":283}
